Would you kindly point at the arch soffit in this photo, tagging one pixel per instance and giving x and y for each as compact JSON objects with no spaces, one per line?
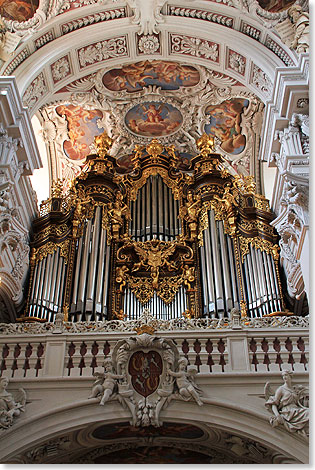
{"x":225,"y":417}
{"x":178,"y":40}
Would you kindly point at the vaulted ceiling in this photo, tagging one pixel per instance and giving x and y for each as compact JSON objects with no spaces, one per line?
{"x":143,"y":69}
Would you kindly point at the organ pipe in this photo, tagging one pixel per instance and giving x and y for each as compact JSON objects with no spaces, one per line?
{"x":190,"y":237}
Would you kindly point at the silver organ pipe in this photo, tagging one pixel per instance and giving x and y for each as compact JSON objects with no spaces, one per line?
{"x":159,"y":309}
{"x":91,"y":273}
{"x":218,"y":272}
{"x":84,"y":262}
{"x":261,"y":282}
{"x":46,"y":294}
{"x":93,"y":261}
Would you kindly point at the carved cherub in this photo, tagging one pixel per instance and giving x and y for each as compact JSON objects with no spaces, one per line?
{"x":10,"y":406}
{"x":287,"y":407}
{"x":228,"y":200}
{"x":105,"y":383}
{"x":185,"y":382}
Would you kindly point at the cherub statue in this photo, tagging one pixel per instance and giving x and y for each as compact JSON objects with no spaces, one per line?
{"x":105,"y":383}
{"x":185,"y":382}
{"x":287,"y":407}
{"x":10,"y":406}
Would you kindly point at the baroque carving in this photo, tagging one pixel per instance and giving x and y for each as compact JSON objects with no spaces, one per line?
{"x":143,"y":376}
{"x":178,"y":324}
{"x":289,"y":405}
{"x":10,"y":406}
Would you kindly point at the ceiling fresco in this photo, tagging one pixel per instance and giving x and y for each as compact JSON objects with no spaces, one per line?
{"x":225,"y":123}
{"x":82,"y":127}
{"x":174,"y":102}
{"x":152,"y":119}
{"x":18,"y":10}
{"x":275,"y":6}
{"x":168,"y":430}
{"x":154,"y":455}
{"x":164,"y":74}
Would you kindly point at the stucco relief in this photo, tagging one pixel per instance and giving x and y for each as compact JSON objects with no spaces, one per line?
{"x":144,"y":375}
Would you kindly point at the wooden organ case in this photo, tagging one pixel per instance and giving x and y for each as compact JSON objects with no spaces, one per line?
{"x":179,"y":239}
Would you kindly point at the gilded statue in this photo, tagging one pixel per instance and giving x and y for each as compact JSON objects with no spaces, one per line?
{"x":190,"y":212}
{"x":287,"y":406}
{"x":154,"y":255}
{"x":117,"y":212}
{"x":228,"y":200}
{"x":103,"y":143}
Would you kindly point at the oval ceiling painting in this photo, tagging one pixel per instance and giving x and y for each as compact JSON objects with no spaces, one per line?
{"x":18,"y":10}
{"x":82,"y":128}
{"x":153,"y":119}
{"x":225,"y":123}
{"x":161,"y":73}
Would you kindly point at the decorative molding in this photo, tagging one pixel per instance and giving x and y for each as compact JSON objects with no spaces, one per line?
{"x":101,"y":51}
{"x":60,"y":69}
{"x":205,"y":15}
{"x":194,"y":47}
{"x":35,"y":91}
{"x":100,"y":17}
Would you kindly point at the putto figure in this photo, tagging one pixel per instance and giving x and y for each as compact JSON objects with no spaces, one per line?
{"x":185,"y":382}
{"x":10,"y":407}
{"x":105,"y":383}
{"x":288,"y":405}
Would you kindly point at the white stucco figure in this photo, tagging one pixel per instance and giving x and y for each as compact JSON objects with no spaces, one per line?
{"x":105,"y":382}
{"x":10,"y":407}
{"x":301,"y":22}
{"x":187,"y":388}
{"x":287,"y":406}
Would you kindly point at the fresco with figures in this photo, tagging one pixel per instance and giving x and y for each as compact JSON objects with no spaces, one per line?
{"x":18,"y":10}
{"x":168,"y":430}
{"x":164,"y":74}
{"x":225,"y":123}
{"x":82,"y":128}
{"x":275,"y":5}
{"x":154,"y":455}
{"x":153,"y":119}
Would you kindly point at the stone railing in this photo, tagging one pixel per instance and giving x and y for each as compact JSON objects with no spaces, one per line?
{"x":214,"y":346}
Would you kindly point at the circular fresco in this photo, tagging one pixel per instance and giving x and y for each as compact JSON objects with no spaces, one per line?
{"x":153,"y":119}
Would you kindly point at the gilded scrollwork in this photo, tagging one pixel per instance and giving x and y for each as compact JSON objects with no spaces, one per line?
{"x":258,"y":243}
{"x":50,"y":247}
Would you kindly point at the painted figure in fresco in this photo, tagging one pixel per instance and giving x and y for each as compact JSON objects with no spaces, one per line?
{"x":105,"y":382}
{"x":286,"y":406}
{"x":82,"y":128}
{"x":166,"y":74}
{"x":18,"y":10}
{"x":153,"y":119}
{"x":225,"y":123}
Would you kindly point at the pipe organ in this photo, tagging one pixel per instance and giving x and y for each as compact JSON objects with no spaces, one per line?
{"x":179,"y":239}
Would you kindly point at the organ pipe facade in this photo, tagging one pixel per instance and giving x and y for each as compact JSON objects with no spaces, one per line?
{"x":181,"y":240}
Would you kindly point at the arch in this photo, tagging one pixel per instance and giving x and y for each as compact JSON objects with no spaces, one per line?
{"x":85,"y":416}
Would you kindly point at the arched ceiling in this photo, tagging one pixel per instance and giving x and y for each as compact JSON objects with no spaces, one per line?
{"x":141,"y":69}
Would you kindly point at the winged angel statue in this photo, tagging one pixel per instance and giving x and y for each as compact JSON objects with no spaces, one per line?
{"x":10,"y":406}
{"x":289,"y":405}
{"x":154,"y":256}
